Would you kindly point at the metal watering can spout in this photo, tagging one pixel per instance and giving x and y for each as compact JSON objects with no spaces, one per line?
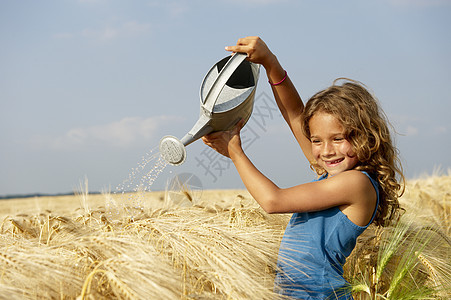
{"x":199,"y":129}
{"x":227,"y":95}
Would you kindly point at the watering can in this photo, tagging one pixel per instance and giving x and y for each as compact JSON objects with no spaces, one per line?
{"x":226,"y":96}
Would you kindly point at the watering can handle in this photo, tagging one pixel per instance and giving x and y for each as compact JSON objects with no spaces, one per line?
{"x":227,"y":71}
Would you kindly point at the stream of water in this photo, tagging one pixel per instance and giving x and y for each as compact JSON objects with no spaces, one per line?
{"x":140,"y":180}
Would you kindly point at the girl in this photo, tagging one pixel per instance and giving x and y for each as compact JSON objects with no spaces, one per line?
{"x":345,"y":137}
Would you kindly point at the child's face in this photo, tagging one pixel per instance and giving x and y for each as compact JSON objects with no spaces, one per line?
{"x":331,"y":149}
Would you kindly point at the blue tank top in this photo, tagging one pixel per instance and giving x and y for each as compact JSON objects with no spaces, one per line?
{"x":313,"y":251}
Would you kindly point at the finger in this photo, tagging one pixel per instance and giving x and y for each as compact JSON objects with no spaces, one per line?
{"x":241,"y":49}
{"x":247,"y":40}
{"x":210,"y":145}
{"x":238,"y":126}
{"x":235,"y":130}
{"x":208,"y":137}
{"x":208,"y":140}
{"x":241,"y":123}
{"x":243,"y":45}
{"x":213,"y":136}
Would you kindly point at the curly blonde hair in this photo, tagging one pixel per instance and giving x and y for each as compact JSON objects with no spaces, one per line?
{"x":366,"y":128}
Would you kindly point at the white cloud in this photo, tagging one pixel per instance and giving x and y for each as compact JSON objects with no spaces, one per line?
{"x":259,"y":2}
{"x":439,"y":130}
{"x":120,"y":134}
{"x":411,"y":131}
{"x":101,"y":34}
{"x":411,"y":125}
{"x":123,"y":30}
{"x":267,"y":1}
{"x":63,"y":35}
{"x":405,"y":125}
{"x":92,"y":1}
{"x":173,"y":8}
{"x":177,"y":9}
{"x":135,"y":28}
{"x":127,"y":29}
{"x":404,"y":119}
{"x":419,"y":3}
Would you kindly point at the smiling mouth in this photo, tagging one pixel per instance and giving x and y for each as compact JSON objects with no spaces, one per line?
{"x":332,"y":163}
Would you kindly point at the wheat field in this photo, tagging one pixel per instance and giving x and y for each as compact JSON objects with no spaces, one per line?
{"x":205,"y":245}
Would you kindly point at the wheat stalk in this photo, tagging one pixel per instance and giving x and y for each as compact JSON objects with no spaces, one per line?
{"x":213,"y":248}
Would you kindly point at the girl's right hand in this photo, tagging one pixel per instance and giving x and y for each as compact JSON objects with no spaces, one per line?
{"x":257,"y":51}
{"x":226,"y":143}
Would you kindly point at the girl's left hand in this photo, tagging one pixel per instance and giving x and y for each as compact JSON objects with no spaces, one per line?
{"x":225,"y":142}
{"x":256,"y":49}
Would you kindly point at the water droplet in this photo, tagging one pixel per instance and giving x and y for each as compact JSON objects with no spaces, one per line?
{"x":140,"y":179}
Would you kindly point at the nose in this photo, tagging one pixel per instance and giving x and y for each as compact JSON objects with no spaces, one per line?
{"x":327,"y":150}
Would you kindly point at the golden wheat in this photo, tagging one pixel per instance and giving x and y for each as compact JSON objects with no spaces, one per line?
{"x":412,"y":259}
{"x":163,"y":245}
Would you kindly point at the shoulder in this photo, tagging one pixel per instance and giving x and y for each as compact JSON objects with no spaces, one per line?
{"x":362,"y":196}
{"x":352,"y":184}
{"x":353,"y":177}
{"x":352,"y":174}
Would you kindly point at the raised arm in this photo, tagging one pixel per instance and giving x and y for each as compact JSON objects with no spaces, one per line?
{"x":287,"y":98}
{"x":352,"y":191}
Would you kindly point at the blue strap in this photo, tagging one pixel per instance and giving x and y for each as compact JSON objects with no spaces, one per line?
{"x":376,"y":187}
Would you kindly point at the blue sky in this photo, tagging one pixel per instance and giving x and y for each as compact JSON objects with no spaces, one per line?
{"x":88,"y":87}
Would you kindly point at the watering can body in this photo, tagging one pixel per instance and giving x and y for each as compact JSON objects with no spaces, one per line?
{"x":226,"y":96}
